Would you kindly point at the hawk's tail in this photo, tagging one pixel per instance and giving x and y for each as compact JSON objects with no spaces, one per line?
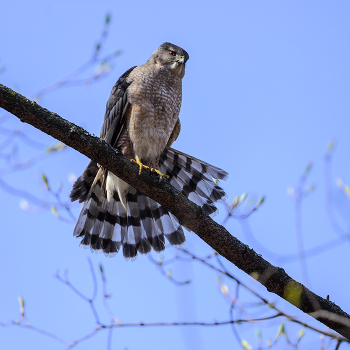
{"x":141,"y":224}
{"x":107,"y":226}
{"x":194,"y":178}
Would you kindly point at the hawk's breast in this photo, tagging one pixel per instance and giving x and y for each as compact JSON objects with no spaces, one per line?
{"x":155,"y":95}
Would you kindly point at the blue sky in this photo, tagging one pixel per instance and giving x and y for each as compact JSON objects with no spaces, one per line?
{"x":266,"y":89}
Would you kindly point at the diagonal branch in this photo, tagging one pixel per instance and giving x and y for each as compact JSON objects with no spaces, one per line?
{"x":189,"y":214}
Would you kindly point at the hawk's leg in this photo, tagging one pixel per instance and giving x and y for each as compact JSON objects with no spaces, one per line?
{"x":138,"y":162}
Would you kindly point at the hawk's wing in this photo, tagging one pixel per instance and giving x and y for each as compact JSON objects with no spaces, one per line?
{"x":117,"y":105}
{"x":113,"y":124}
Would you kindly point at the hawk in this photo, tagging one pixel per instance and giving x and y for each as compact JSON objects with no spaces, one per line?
{"x":142,"y":121}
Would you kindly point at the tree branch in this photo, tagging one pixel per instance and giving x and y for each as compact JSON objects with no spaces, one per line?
{"x":189,"y":214}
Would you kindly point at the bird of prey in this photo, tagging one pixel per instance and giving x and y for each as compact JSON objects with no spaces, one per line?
{"x":142,"y":121}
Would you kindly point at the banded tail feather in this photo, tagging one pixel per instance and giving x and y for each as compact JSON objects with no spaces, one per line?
{"x":194,"y":178}
{"x":136,"y":224}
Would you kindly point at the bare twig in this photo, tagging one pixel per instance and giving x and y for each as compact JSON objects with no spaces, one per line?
{"x":160,"y":264}
{"x":35,"y":329}
{"x":279,"y":312}
{"x":91,"y":300}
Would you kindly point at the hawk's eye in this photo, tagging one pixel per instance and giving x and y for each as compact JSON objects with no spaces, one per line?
{"x":172,"y":53}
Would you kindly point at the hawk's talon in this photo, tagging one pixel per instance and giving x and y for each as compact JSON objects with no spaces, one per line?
{"x":138,"y":162}
{"x":152,"y":170}
{"x":161,"y":175}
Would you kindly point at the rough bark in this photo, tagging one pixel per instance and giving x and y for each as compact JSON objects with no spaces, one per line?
{"x":275,"y":279}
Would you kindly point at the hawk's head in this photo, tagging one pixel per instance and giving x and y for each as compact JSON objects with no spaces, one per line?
{"x":171,"y":56}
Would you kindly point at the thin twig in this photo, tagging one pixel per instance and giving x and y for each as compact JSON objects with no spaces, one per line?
{"x":35,"y":329}
{"x":291,"y":318}
{"x":168,"y":275}
{"x":90,"y":301}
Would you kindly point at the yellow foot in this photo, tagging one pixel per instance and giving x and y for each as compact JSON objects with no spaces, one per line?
{"x":138,"y":162}
{"x":161,"y":175}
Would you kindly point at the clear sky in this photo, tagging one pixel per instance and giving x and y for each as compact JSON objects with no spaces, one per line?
{"x":266,"y":89}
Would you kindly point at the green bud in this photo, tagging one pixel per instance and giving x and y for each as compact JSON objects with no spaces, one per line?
{"x":261,"y":201}
{"x":234,"y":202}
{"x":331,"y":146}
{"x":347,"y":190}
{"x":245,"y":345}
{"x":54,"y":210}
{"x":118,"y":52}
{"x":21,"y":305}
{"x":224,"y":289}
{"x":281,"y":330}
{"x":310,"y":189}
{"x":308,"y":169}
{"x":45,"y":180}
{"x":258,"y":333}
{"x":59,"y":146}
{"x":301,"y":333}
{"x":242,"y":197}
{"x":290,"y":191}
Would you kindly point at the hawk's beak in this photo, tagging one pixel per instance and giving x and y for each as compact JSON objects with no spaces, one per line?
{"x":181,"y":59}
